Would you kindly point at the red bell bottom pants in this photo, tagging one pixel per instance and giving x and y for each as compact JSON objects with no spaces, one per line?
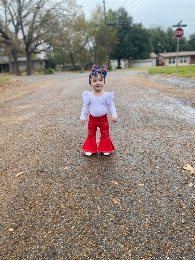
{"x":105,"y":145}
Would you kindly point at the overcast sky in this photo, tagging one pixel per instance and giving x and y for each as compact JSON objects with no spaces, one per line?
{"x":151,"y":13}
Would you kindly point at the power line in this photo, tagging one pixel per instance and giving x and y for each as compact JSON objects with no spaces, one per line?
{"x":170,"y":19}
{"x":131,"y":3}
{"x":124,"y":3}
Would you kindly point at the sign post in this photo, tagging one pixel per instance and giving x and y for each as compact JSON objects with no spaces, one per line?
{"x":179,"y":32}
{"x":177,"y":52}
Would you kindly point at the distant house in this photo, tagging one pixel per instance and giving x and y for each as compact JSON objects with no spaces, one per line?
{"x":38,"y":64}
{"x":114,"y":64}
{"x":4,"y":64}
{"x":131,"y":63}
{"x":170,"y":58}
{"x":150,"y":62}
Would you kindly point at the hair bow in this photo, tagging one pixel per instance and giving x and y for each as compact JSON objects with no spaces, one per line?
{"x":96,"y":70}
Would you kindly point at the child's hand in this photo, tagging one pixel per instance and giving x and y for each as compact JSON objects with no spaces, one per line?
{"x":114,"y":119}
{"x":82,"y":121}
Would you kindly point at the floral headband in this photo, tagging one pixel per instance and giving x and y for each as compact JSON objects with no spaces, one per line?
{"x":96,"y":70}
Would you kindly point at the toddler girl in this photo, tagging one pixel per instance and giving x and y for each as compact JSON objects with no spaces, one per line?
{"x":97,"y":102}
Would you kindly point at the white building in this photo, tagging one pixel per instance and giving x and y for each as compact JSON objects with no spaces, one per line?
{"x":130,"y":63}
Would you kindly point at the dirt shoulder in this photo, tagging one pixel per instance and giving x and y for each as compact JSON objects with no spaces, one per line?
{"x":18,"y":88}
{"x":179,"y":91}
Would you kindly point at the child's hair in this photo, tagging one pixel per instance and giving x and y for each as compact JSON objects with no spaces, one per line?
{"x":95,"y":70}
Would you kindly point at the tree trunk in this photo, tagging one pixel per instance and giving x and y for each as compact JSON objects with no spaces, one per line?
{"x":119,"y":64}
{"x":28,"y":64}
{"x":82,"y":61}
{"x":11,"y":67}
{"x":16,"y":65}
{"x":72,"y":60}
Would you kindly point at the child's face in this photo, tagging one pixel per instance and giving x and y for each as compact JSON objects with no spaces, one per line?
{"x":97,"y":83}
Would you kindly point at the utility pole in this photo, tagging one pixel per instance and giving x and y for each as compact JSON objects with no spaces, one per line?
{"x":106,"y":36}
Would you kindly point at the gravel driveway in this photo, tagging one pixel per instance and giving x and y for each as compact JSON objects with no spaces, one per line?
{"x":138,"y":203}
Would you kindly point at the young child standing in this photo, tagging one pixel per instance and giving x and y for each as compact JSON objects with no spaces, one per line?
{"x":98,"y":102}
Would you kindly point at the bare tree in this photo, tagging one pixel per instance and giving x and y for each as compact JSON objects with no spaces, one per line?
{"x":34,"y":21}
{"x":38,"y":19}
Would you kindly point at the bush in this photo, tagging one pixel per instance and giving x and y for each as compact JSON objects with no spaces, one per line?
{"x":50,"y":71}
{"x":110,"y":67}
{"x":41,"y":71}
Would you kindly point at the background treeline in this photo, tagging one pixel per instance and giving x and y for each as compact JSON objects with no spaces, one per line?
{"x":60,"y":30}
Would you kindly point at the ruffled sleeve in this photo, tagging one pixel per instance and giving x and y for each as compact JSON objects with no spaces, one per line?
{"x":109,"y":97}
{"x":86,"y":96}
{"x":86,"y":99}
{"x":110,"y":103}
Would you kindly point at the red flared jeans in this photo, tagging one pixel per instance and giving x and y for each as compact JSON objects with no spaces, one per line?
{"x":105,"y":145}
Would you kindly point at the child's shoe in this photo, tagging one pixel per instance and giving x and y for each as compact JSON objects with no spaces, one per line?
{"x":106,"y":153}
{"x":88,"y":153}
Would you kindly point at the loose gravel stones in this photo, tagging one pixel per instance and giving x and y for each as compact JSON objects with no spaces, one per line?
{"x":137,"y":203}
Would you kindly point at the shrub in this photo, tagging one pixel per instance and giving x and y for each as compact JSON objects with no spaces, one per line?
{"x":110,"y":67}
{"x":50,"y":71}
{"x":41,"y":71}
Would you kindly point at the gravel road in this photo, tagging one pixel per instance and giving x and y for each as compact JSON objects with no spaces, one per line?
{"x":137,"y":203}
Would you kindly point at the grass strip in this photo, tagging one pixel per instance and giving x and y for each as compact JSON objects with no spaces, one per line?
{"x":180,"y":71}
{"x":4,"y":80}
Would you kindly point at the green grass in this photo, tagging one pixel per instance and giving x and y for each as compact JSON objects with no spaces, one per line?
{"x":4,"y":80}
{"x":180,"y":71}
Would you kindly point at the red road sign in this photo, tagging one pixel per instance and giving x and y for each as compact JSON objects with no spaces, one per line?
{"x":179,"y":32}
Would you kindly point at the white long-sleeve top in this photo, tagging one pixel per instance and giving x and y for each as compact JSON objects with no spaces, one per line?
{"x":97,"y":105}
